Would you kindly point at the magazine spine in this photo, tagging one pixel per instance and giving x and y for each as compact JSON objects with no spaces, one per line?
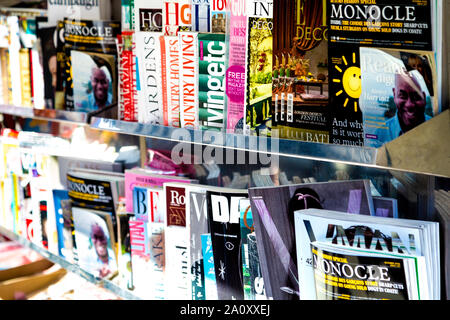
{"x":150,"y":89}
{"x":236,"y":75}
{"x":212,"y":54}
{"x":189,"y":80}
{"x":173,"y":80}
{"x":164,"y":76}
{"x":201,"y":16}
{"x":25,"y":77}
{"x":218,"y":16}
{"x":260,"y":19}
{"x":177,"y":243}
{"x":171,"y":17}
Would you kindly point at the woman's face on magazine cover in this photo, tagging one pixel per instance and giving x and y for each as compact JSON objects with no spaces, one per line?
{"x":410,"y":102}
{"x":100,"y":84}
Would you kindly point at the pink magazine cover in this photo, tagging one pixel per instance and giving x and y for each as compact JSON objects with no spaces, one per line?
{"x":141,"y":178}
{"x":236,"y":76}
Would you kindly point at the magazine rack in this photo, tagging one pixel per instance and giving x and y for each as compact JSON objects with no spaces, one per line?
{"x":417,"y":151}
{"x":409,"y":168}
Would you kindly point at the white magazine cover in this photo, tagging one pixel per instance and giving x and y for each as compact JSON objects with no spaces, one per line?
{"x":409,"y":238}
{"x":94,"y":242}
{"x":148,"y":54}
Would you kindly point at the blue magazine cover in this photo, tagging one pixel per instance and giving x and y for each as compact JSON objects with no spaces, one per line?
{"x":208,"y":263}
{"x":58,"y":197}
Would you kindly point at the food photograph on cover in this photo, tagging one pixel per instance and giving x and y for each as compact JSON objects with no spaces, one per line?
{"x":217,"y":151}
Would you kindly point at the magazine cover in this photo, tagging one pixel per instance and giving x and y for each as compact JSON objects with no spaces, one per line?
{"x":236,"y":72}
{"x":218,"y":16}
{"x":70,"y":246}
{"x":46,"y":35}
{"x":354,"y":33}
{"x":124,"y":250}
{"x":196,"y":208}
{"x":127,"y":92}
{"x":97,"y":190}
{"x":144,"y":178}
{"x":360,"y":277}
{"x":300,"y":70}
{"x":14,"y":59}
{"x":39,"y":203}
{"x":97,"y":41}
{"x":259,"y":67}
{"x":4,"y":61}
{"x":148,"y":15}
{"x":172,"y":63}
{"x":257,"y":290}
{"x":176,"y":16}
{"x":211,"y":86}
{"x":125,"y":15}
{"x":201,"y":16}
{"x":208,"y":267}
{"x":140,"y":257}
{"x":95,"y":242}
{"x":251,"y":271}
{"x":59,"y":196}
{"x":25,"y":77}
{"x":177,"y":244}
{"x":246,"y":224}
{"x":87,"y":192}
{"x":148,"y":204}
{"x":397,"y":92}
{"x":273,"y":215}
{"x":89,"y":10}
{"x":150,"y":90}
{"x":385,"y":207}
{"x":223,"y":219}
{"x":157,"y":260}
{"x":371,"y":237}
{"x":188,"y":80}
{"x":61,"y":60}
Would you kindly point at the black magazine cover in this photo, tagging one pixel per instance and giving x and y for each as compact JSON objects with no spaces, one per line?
{"x":62,"y":60}
{"x":273,"y":214}
{"x":352,"y":277}
{"x":223,"y":217}
{"x":90,"y":193}
{"x":400,"y":25}
{"x":46,"y":36}
{"x":91,"y":51}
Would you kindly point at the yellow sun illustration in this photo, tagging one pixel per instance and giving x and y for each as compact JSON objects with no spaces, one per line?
{"x":351,"y":82}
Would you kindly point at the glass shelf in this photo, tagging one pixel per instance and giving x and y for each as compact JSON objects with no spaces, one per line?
{"x":109,"y":285}
{"x":282,"y":147}
{"x":415,"y":152}
{"x":45,"y":114}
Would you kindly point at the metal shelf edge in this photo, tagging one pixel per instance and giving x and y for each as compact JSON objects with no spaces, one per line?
{"x":70,"y":266}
